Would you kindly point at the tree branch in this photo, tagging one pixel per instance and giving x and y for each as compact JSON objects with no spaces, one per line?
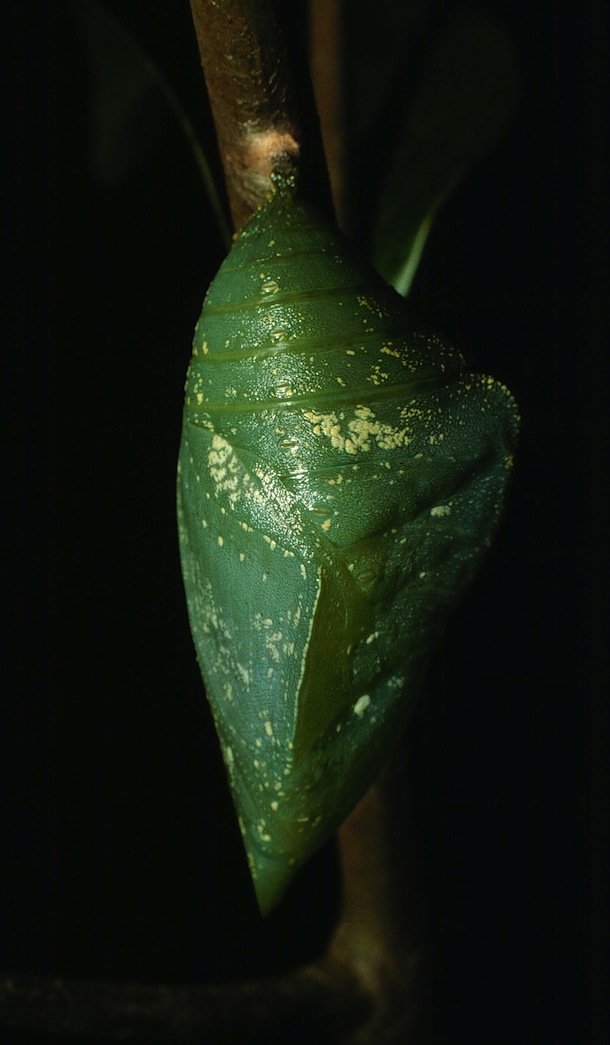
{"x":382,"y":933}
{"x":312,"y":1004}
{"x":261,"y":120}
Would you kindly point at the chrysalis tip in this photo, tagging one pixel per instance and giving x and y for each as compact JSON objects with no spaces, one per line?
{"x":271,"y":875}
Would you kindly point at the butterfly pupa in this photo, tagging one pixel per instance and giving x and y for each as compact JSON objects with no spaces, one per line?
{"x":340,"y":478}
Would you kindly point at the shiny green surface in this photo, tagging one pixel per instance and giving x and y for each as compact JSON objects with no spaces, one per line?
{"x":339,"y":480}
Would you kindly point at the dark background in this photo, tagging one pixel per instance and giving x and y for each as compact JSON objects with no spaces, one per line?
{"x":120,"y":853}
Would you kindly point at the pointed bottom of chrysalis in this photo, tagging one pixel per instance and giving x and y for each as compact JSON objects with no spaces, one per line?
{"x":271,"y":876}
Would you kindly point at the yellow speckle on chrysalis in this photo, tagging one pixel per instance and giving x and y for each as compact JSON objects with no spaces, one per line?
{"x":244,"y":673}
{"x":363,"y":431}
{"x":268,"y":729}
{"x":440,"y":511}
{"x":361,"y":705}
{"x":220,"y":541}
{"x":265,"y":837}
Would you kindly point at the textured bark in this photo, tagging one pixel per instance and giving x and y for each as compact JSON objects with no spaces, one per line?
{"x":261,"y":118}
{"x":309,"y":1005}
{"x":382,"y":934}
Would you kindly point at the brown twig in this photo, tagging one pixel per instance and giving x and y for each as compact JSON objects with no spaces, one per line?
{"x":381,"y":936}
{"x":260,"y":120}
{"x":306,"y":1006}
{"x":382,"y":933}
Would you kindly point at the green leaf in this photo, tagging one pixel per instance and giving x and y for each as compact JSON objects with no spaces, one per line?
{"x":464,"y":102}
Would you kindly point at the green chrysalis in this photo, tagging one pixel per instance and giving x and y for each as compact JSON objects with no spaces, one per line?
{"x":339,"y":480}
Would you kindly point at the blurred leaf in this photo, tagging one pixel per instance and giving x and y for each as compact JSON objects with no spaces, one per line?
{"x":380,"y":45}
{"x":129,"y":101}
{"x":463,"y":104}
